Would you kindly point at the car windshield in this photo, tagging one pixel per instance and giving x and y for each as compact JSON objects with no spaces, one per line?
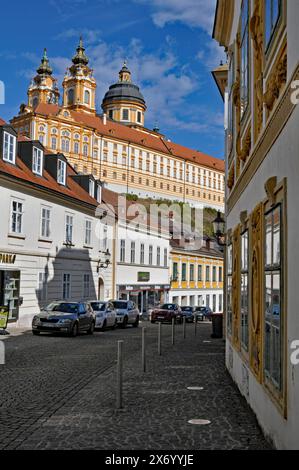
{"x":187,"y":309}
{"x":51,"y":306}
{"x":168,"y":307}
{"x":66,"y":308}
{"x":98,"y":306}
{"x":119,"y":304}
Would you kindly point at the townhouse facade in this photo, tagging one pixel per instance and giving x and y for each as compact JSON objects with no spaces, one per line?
{"x":261,"y":39}
{"x":196,"y":276}
{"x":51,"y":242}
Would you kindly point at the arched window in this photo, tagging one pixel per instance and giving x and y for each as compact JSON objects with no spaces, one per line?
{"x":35,"y":102}
{"x":65,"y":145}
{"x":54,"y":143}
{"x":70,"y":96}
{"x":85,"y":150}
{"x":76,"y":148}
{"x":41,"y":138}
{"x":87,"y":97}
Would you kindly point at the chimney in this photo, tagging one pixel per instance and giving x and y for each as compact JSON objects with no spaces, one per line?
{"x":105,"y":119}
{"x":208,"y":243}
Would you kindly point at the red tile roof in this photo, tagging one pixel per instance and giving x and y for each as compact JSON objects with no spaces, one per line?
{"x":2,"y":122}
{"x":149,"y":141}
{"x":23,"y":173}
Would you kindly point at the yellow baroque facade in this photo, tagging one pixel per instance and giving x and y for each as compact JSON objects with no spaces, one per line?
{"x":197,"y":276}
{"x":115,"y":147}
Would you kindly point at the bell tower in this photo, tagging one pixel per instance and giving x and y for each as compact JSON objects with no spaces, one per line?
{"x":79,"y":85}
{"x":43,"y":88}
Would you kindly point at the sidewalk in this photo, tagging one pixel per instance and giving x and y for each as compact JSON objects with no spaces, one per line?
{"x":157,"y":404}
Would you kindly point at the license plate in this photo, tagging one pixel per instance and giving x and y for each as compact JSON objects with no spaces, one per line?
{"x":50,"y":325}
{"x":160,"y":318}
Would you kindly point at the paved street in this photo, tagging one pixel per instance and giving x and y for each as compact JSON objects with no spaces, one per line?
{"x":59,"y":393}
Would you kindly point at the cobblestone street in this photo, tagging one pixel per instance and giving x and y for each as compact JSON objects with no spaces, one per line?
{"x":59,"y":393}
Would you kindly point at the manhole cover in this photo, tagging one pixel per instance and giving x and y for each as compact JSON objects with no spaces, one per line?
{"x":195,"y":388}
{"x":199,"y":422}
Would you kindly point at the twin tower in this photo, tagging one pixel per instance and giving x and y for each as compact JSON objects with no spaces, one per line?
{"x":123,"y":102}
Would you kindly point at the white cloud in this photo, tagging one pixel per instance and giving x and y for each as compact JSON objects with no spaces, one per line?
{"x":90,"y":36}
{"x":194,"y":13}
{"x":211,"y":55}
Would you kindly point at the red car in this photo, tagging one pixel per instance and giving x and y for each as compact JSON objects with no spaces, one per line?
{"x":166,"y":313}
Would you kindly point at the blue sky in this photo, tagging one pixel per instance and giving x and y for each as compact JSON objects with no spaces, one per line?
{"x":167,"y":45}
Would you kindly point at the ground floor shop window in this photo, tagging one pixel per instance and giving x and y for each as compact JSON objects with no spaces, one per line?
{"x":10,"y":292}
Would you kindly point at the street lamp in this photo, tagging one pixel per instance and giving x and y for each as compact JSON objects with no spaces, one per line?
{"x":104,"y":262}
{"x":219,"y":229}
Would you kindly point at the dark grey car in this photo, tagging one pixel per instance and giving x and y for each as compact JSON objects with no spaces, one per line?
{"x":70,"y":318}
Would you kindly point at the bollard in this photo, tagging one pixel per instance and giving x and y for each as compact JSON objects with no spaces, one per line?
{"x":159,"y":339}
{"x":195,"y":325}
{"x":184,"y":327}
{"x":172,"y":331}
{"x":119,"y":377}
{"x":143,"y":358}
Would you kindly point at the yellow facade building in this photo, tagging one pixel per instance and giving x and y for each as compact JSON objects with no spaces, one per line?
{"x":196,"y":276}
{"x":115,"y":147}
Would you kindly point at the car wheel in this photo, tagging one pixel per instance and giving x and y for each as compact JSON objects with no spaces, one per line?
{"x":90,"y":331}
{"x":35,"y":333}
{"x":125,"y":323}
{"x":74,"y":330}
{"x":136,"y":323}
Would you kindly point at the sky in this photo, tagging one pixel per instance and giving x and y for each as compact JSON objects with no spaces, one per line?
{"x":167,"y":44}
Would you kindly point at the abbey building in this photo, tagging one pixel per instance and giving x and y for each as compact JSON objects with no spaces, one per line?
{"x":115,"y":146}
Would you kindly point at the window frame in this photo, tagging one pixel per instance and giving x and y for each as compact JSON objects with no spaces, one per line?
{"x":12,"y":140}
{"x":19,"y":220}
{"x":61,"y":172}
{"x":45,"y":227}
{"x":37,"y":161}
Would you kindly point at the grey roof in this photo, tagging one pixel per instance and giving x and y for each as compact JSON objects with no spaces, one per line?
{"x":122,"y":91}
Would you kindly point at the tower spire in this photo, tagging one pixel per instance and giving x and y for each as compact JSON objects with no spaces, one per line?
{"x":124,"y":73}
{"x":44,"y":68}
{"x":80,"y":57}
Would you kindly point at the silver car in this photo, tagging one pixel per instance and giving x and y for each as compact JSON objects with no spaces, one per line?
{"x":65,"y":317}
{"x":126,"y":313}
{"x":105,"y":314}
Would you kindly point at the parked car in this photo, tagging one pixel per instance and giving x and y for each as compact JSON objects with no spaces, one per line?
{"x":203,"y":313}
{"x":105,"y":314}
{"x":188,"y":313}
{"x":65,"y":317}
{"x":126,"y":313}
{"x":166,"y":313}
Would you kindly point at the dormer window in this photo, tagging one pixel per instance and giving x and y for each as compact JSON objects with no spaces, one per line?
{"x":9,"y":147}
{"x":91,"y":188}
{"x":61,"y":172}
{"x":37,"y":161}
{"x":99,"y":194}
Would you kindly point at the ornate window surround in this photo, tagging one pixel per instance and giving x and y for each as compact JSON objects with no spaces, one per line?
{"x":277,"y":194}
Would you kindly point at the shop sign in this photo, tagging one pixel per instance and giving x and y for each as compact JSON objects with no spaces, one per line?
{"x":7,"y":258}
{"x":4,"y":313}
{"x":143,"y":276}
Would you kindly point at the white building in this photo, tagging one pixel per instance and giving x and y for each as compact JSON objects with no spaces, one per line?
{"x":261,"y":97}
{"x":49,"y":234}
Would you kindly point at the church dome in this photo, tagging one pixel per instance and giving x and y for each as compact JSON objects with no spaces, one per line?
{"x":124,"y":94}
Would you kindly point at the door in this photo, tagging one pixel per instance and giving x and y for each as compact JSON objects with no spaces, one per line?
{"x":84,"y":317}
